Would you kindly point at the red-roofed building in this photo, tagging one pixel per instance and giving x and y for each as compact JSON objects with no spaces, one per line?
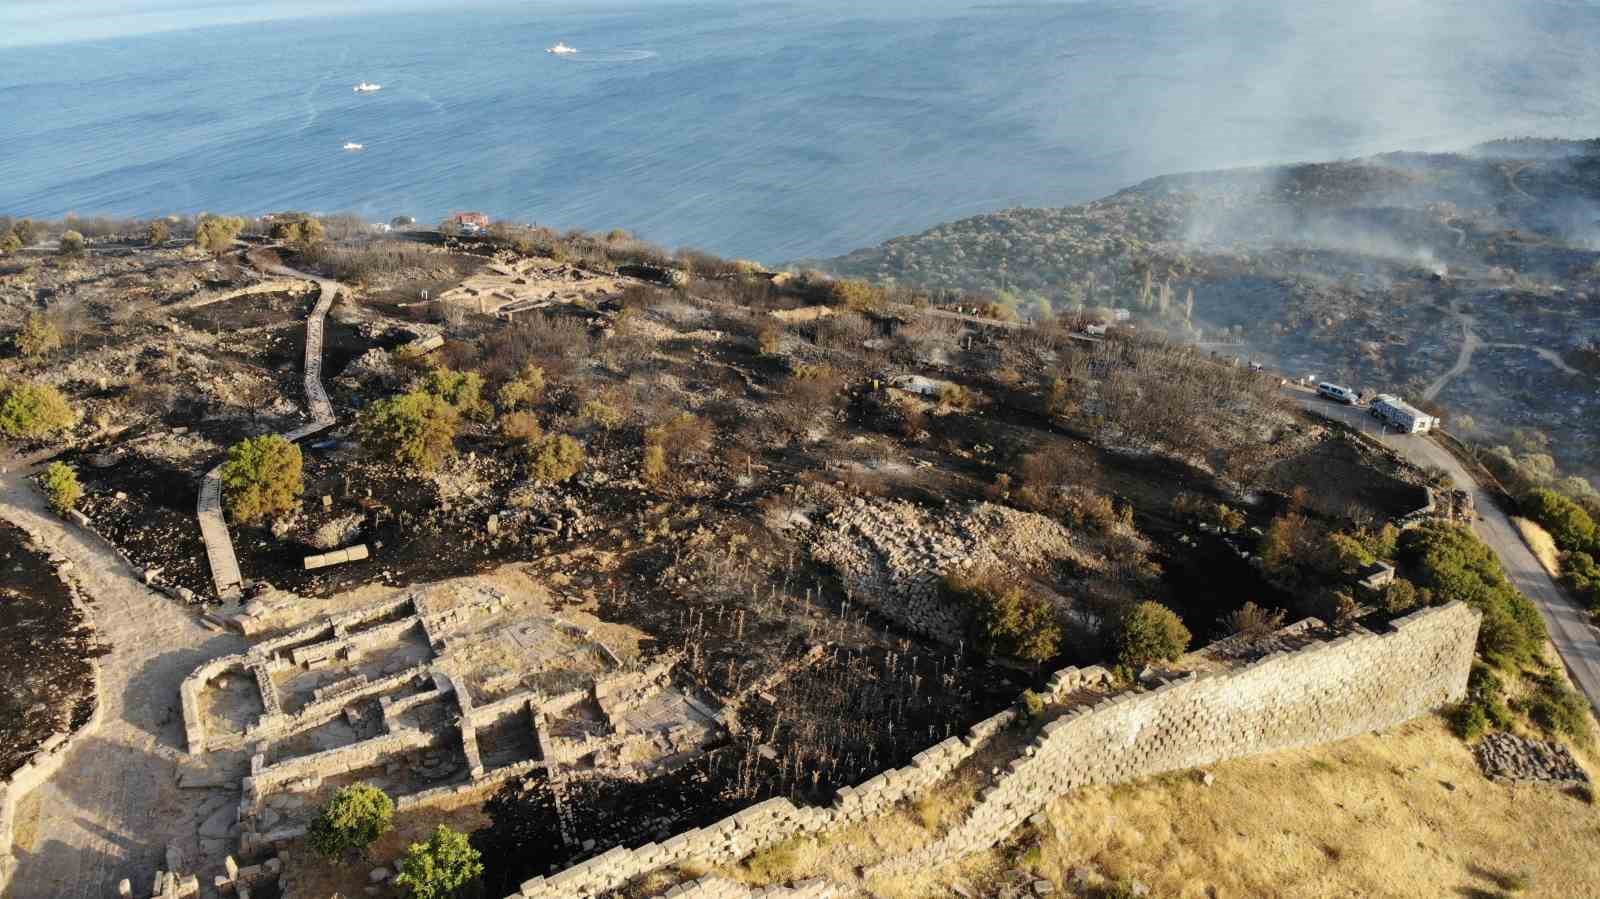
{"x":471,"y":222}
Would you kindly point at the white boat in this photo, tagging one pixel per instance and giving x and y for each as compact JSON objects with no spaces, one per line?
{"x":366,"y":87}
{"x":560,"y":49}
{"x":352,"y":145}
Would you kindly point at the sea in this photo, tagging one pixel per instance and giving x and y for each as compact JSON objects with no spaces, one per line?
{"x":764,"y":130}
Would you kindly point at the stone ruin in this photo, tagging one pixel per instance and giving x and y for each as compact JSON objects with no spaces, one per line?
{"x":892,"y":554}
{"x":1314,"y":691}
{"x":421,"y":700}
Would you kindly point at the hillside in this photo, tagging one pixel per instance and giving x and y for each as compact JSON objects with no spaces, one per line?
{"x":1467,"y":280}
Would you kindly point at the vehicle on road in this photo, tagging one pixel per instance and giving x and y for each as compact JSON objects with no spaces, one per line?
{"x":1397,"y":413}
{"x":1336,"y":392}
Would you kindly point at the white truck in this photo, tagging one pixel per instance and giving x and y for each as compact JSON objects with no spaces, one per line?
{"x":1397,"y":413}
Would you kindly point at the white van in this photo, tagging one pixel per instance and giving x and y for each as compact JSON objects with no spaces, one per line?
{"x":1335,"y":392}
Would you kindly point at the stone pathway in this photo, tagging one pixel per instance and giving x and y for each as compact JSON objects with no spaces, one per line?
{"x":111,"y":810}
{"x":225,"y":572}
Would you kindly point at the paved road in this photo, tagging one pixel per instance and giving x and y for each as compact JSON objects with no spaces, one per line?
{"x":1574,"y":637}
{"x":114,"y":805}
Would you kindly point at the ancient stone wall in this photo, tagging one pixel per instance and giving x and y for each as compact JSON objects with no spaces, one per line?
{"x":1328,"y":691}
{"x":1353,"y":685}
{"x":719,"y":888}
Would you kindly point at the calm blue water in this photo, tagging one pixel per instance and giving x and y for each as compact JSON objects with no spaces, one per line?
{"x":771,"y":130}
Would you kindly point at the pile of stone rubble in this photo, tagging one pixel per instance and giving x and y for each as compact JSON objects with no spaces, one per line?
{"x":1508,"y":757}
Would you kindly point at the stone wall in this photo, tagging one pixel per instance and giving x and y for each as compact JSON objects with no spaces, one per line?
{"x":1353,"y":685}
{"x":718,"y":888}
{"x":1328,"y":691}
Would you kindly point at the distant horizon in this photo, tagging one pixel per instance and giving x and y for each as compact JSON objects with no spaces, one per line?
{"x":40,"y":23}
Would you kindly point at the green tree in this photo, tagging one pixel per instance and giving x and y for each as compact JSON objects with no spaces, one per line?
{"x":10,"y":242}
{"x":445,"y":867}
{"x":303,"y":231}
{"x":72,"y":243}
{"x":861,"y":296}
{"x":61,"y":487}
{"x":555,"y":457}
{"x":1150,"y":632}
{"x":216,"y":233}
{"x":352,"y":819}
{"x":262,"y":477}
{"x":29,"y":410}
{"x":38,"y":338}
{"x":158,"y":233}
{"x":463,"y":390}
{"x":416,"y":428}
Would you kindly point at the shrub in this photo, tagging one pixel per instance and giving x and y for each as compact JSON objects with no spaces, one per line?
{"x":672,"y":443}
{"x":1452,"y":564}
{"x":32,"y":411}
{"x":520,"y":427}
{"x":1401,"y":596}
{"x":1007,"y":619}
{"x":1558,"y":709}
{"x":1250,"y":620}
{"x":601,"y":414}
{"x":463,"y":390}
{"x":556,"y":457}
{"x":38,"y":338}
{"x":770,"y":340}
{"x":1229,"y":519}
{"x":1482,"y":708}
{"x":1582,"y":576}
{"x":61,"y":487}
{"x":9,"y":242}
{"x":302,"y":232}
{"x":954,"y":396}
{"x":262,"y":477}
{"x":1033,"y":702}
{"x":445,"y":867}
{"x":1150,"y":632}
{"x":416,"y":428}
{"x":216,"y":233}
{"x":526,"y":389}
{"x":860,"y":296}
{"x":1567,"y":522}
{"x":72,"y":243}
{"x":352,"y":819}
{"x":158,"y":233}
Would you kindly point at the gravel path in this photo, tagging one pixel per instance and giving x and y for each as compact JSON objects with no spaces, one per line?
{"x":113,"y":807}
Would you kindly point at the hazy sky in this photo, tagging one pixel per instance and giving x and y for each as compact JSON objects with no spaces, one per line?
{"x":25,"y":22}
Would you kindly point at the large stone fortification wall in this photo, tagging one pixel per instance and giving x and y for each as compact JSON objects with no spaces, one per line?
{"x":1328,"y":691}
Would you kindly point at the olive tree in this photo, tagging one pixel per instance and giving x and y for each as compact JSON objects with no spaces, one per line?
{"x":355,"y":817}
{"x":262,"y":477}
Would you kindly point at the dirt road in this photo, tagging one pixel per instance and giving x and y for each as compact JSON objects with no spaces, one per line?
{"x":114,"y":805}
{"x":1577,"y":641}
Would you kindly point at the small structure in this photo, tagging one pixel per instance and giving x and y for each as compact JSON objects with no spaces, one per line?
{"x":380,"y":228}
{"x":1375,"y":577}
{"x":1397,"y":413}
{"x":471,"y":222}
{"x":1120,"y":314}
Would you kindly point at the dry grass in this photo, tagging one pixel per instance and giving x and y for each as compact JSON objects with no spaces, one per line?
{"x":1402,"y":814}
{"x":317,"y":876}
{"x":1542,"y":544}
